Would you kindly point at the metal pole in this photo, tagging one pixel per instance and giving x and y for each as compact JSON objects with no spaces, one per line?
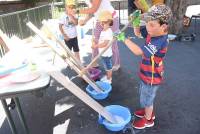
{"x":20,"y":113}
{"x":20,"y":27}
{"x":9,"y":117}
{"x":1,"y":22}
{"x":119,"y":13}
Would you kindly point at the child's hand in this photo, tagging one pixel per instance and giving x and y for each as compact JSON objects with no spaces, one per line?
{"x":135,"y":18}
{"x":71,"y":15}
{"x":120,"y":36}
{"x":81,"y":22}
{"x":93,"y":41}
{"x":94,"y":46}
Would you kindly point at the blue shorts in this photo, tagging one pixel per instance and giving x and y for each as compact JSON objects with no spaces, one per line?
{"x":147,"y":94}
{"x":107,"y":62}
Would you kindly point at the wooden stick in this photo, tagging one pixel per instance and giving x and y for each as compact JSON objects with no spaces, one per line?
{"x":4,"y":41}
{"x":109,"y":45}
{"x":85,"y":77}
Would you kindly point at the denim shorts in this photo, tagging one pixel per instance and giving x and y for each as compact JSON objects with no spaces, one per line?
{"x":107,"y":62}
{"x":147,"y":94}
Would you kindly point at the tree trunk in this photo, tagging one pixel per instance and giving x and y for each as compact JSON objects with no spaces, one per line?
{"x":178,"y":8}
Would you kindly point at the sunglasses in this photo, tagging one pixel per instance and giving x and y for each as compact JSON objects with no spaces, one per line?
{"x":103,"y":22}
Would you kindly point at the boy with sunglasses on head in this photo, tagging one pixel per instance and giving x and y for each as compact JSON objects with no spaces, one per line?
{"x":151,"y":67}
{"x":106,"y":35}
{"x":67,"y":26}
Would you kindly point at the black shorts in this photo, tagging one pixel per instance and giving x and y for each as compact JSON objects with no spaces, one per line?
{"x":72,"y":43}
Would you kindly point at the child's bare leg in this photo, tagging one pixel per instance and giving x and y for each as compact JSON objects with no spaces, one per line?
{"x":77,"y":55}
{"x":109,"y":74}
{"x":148,"y":112}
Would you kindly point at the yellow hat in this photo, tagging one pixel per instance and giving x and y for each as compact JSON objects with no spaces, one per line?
{"x":70,"y":2}
{"x":105,"y":16}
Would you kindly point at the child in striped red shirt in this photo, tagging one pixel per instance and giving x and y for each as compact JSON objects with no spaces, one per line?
{"x":151,"y":66}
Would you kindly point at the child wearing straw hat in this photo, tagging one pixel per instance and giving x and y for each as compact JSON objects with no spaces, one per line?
{"x":94,"y":9}
{"x":106,"y":35}
{"x":67,"y":26}
{"x":151,"y":67}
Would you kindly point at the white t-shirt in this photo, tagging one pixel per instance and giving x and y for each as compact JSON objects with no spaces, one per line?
{"x":68,"y":27}
{"x":105,"y":5}
{"x":106,"y":35}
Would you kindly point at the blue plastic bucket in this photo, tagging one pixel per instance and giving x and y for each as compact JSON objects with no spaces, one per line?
{"x":99,"y":95}
{"x":120,"y":113}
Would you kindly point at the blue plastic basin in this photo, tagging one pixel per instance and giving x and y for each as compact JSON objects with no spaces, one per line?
{"x":99,"y":95}
{"x":116,"y":110}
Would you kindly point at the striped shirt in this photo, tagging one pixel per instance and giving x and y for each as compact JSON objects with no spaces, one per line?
{"x":151,"y":67}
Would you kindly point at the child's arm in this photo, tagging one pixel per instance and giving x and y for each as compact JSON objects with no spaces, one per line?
{"x":92,"y":9}
{"x":63,"y":33}
{"x":131,"y":45}
{"x":135,"y":18}
{"x":73,"y":19}
{"x":85,"y":20}
{"x":142,"y":4}
{"x":101,"y":45}
{"x":104,"y":44}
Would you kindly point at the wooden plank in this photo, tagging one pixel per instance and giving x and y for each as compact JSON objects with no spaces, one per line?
{"x":74,"y":89}
{"x":77,"y":69}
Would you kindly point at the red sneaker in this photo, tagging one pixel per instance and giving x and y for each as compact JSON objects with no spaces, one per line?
{"x":140,"y":113}
{"x":143,"y":123}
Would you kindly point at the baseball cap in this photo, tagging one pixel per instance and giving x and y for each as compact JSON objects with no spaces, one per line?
{"x":158,"y":12}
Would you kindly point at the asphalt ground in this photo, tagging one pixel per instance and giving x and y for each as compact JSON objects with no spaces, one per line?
{"x":177,"y":105}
